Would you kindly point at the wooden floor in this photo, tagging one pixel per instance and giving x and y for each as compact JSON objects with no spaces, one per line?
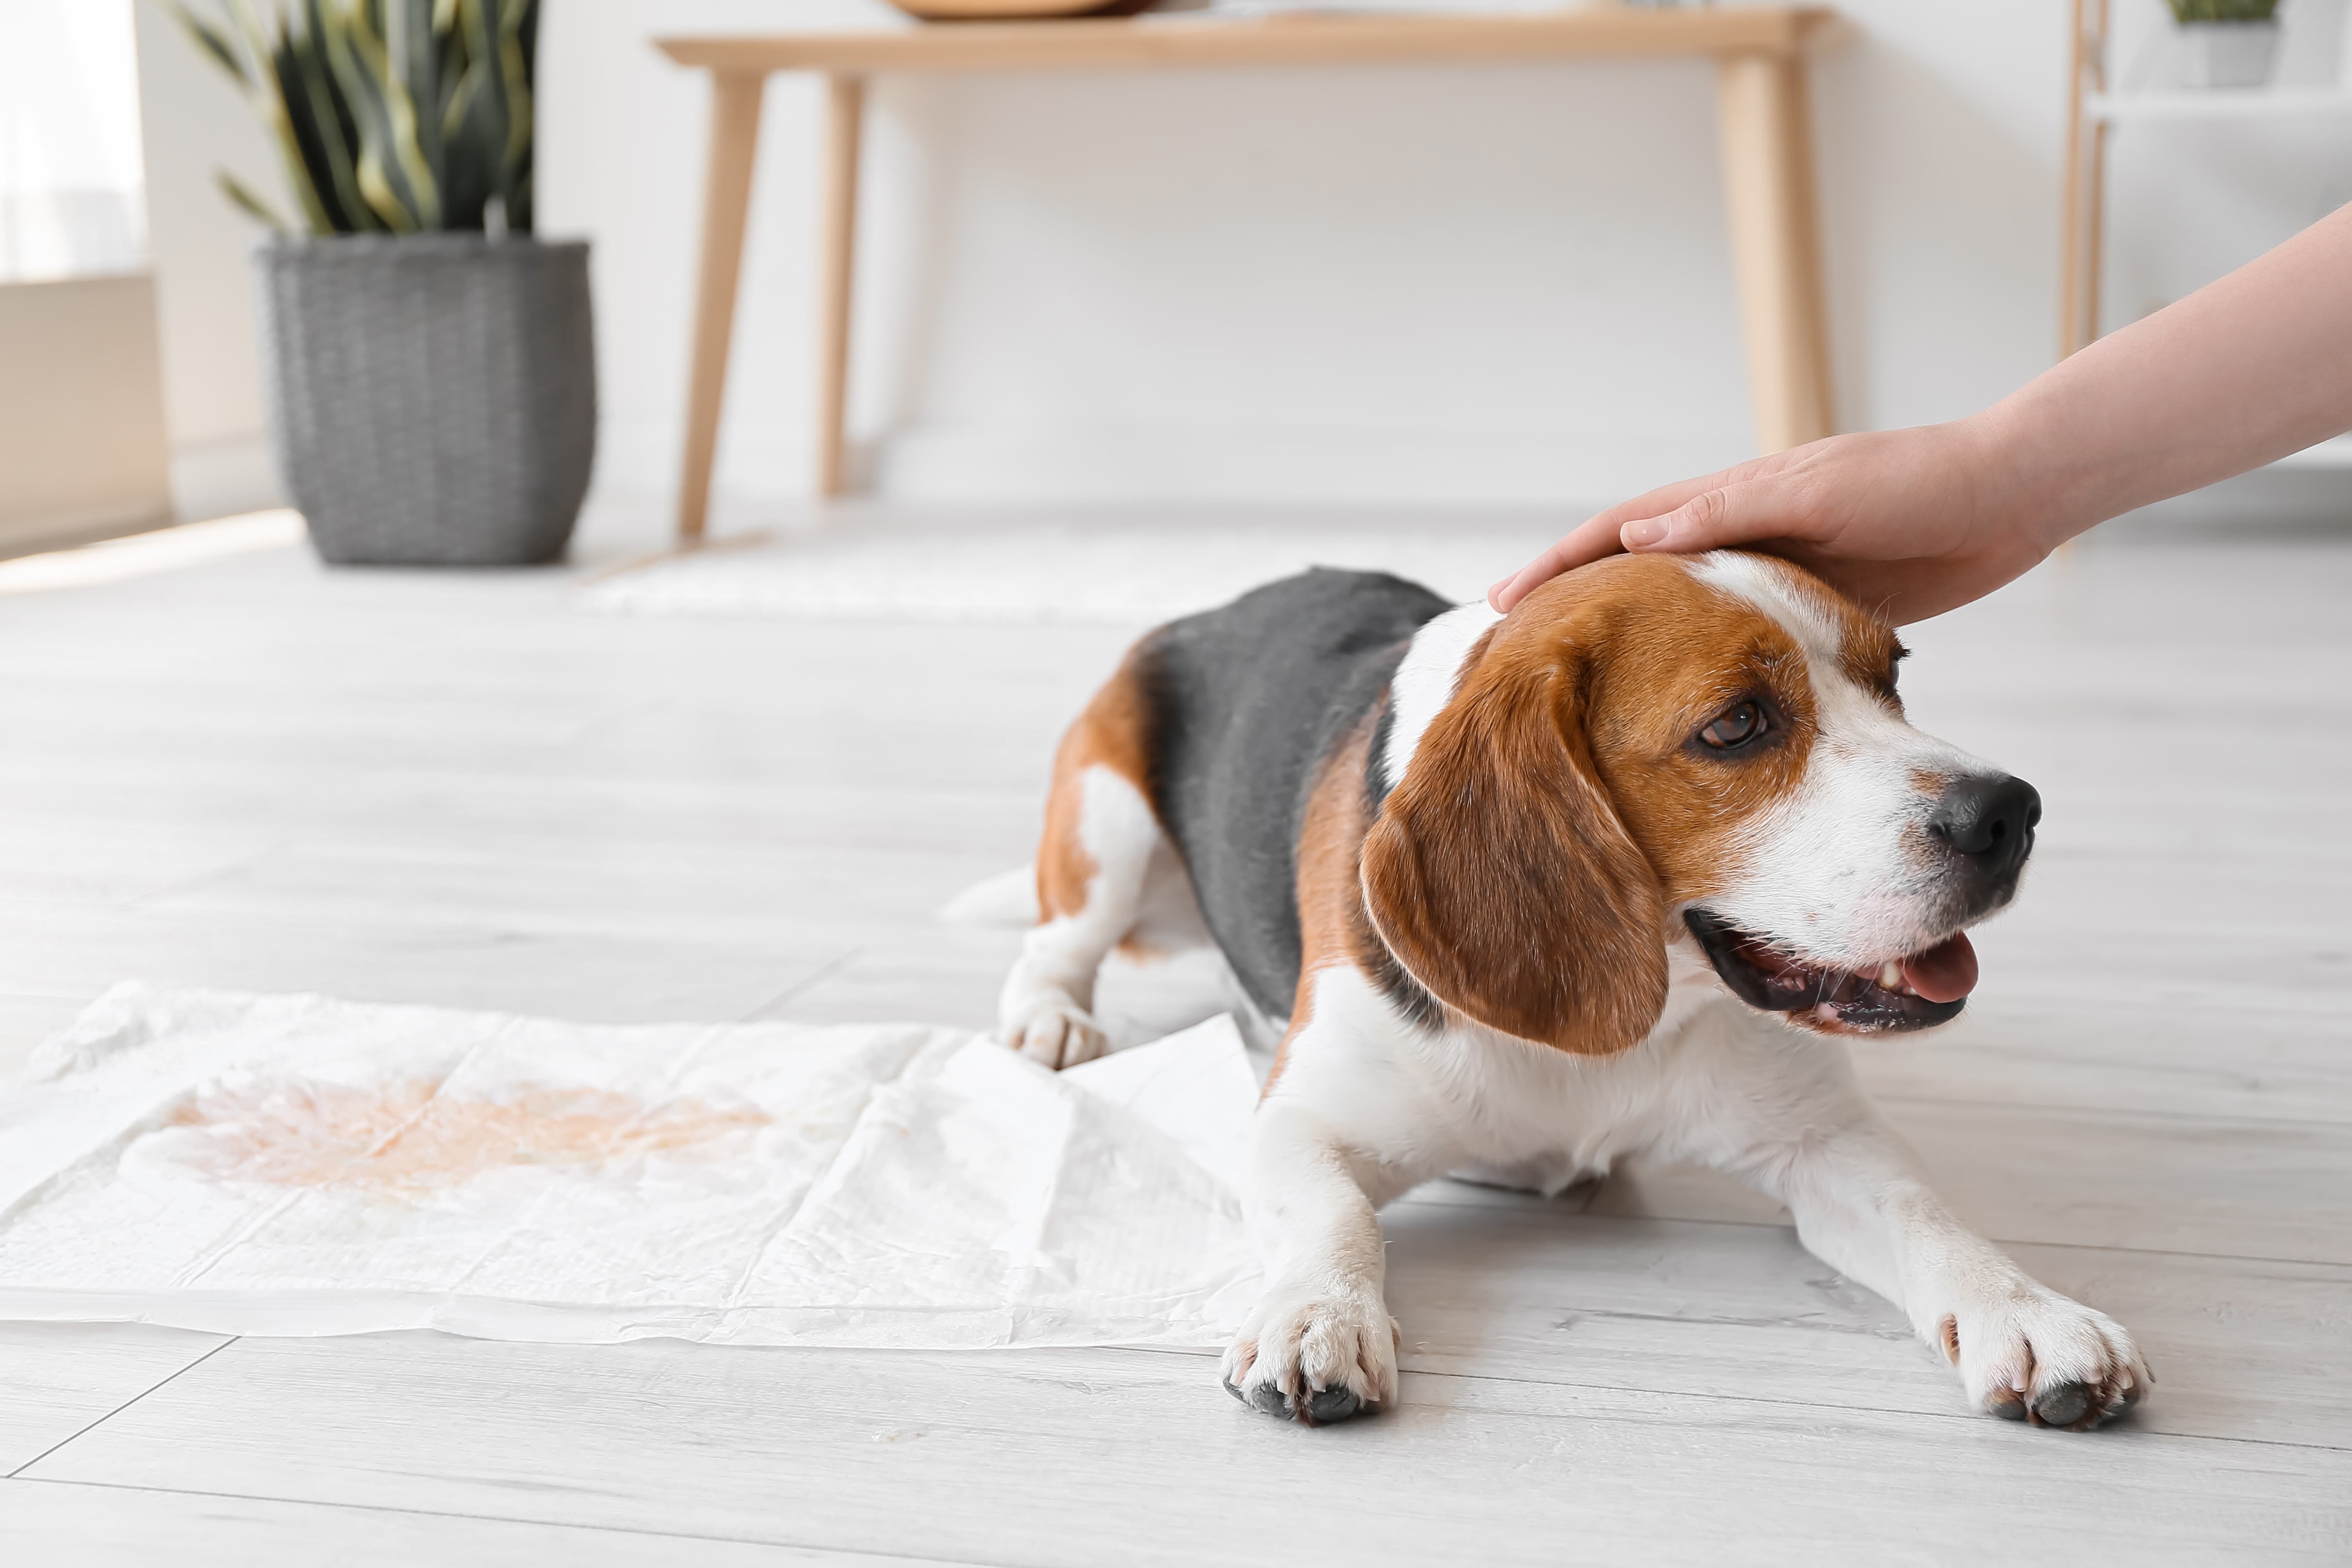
{"x":461,"y":789}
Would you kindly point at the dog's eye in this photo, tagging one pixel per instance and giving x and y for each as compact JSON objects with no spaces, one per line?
{"x":1736,"y":727}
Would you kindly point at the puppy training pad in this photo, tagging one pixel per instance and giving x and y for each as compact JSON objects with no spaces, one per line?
{"x":295,"y":1164}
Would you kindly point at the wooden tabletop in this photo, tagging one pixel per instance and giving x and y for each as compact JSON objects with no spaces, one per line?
{"x":1297,"y":38}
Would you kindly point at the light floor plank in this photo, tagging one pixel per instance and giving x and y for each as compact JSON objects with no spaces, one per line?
{"x":1083,"y":1458}
{"x":61,"y":1378}
{"x":462,"y":790}
{"x":94,"y":1526}
{"x":462,"y":963}
{"x":1742,"y":1311}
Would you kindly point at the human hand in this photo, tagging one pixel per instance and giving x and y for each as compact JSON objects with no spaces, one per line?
{"x":1909,"y":523}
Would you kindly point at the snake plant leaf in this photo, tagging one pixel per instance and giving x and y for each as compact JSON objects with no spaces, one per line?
{"x":388,"y":127}
{"x":323,"y":120}
{"x":358,"y":59}
{"x":271,"y":106}
{"x":395,"y":115}
{"x":242,"y":195}
{"x":412,"y":55}
{"x":473,"y":124}
{"x":517,"y":58}
{"x":211,"y":41}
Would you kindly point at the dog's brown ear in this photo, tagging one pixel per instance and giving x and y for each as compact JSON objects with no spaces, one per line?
{"x":1497,"y":871}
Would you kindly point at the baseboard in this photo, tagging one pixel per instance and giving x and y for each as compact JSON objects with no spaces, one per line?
{"x":1218,"y":464}
{"x":1347,"y":467}
{"x":224,"y":479}
{"x":37,"y":536}
{"x":2283,"y":498}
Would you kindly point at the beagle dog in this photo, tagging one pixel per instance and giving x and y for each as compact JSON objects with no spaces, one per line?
{"x":1615,"y":873}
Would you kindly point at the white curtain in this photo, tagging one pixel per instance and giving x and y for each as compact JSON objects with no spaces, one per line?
{"x":72,"y":197}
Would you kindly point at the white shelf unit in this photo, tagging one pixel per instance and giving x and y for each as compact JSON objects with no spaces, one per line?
{"x":2099,"y":103}
{"x":2218,"y":103}
{"x":2104,"y":96}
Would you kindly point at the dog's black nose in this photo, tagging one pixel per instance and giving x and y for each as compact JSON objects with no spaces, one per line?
{"x":1991,"y":819}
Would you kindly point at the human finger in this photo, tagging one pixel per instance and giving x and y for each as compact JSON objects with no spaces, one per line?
{"x":1587,"y":542}
{"x":1745,"y":512}
{"x":1601,"y":534}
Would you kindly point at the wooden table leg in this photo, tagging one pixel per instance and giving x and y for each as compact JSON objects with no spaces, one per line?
{"x":1768,"y":180}
{"x":844,"y":106}
{"x":2094,"y":229}
{"x":726,"y":202}
{"x":2083,"y":214}
{"x":2070,"y":204}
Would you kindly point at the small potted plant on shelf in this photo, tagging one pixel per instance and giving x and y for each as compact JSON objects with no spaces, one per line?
{"x":2231,"y":43}
{"x":431,"y":365}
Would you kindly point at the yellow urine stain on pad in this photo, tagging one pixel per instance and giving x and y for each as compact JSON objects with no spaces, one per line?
{"x":408,"y":1139}
{"x":296,"y":1165}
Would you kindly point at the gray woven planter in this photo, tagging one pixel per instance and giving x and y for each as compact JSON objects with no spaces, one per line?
{"x":433,"y":397}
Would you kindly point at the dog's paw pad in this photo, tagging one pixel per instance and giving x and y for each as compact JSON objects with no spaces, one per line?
{"x":1324,"y":1405}
{"x":2061,"y":1405}
{"x":1314,"y":1360}
{"x":1328,"y":1405}
{"x":2034,"y":1355}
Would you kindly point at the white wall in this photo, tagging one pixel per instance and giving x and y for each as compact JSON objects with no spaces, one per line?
{"x":2190,"y":201}
{"x":1479,"y":284}
{"x":1500,"y":283}
{"x":193,"y":122}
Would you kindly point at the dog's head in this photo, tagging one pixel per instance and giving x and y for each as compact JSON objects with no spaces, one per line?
{"x":1713,"y":745}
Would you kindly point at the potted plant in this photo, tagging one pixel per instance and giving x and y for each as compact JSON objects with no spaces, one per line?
{"x":430,"y":365}
{"x":2231,"y":43}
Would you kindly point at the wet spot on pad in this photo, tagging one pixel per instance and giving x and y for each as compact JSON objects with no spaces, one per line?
{"x":411,"y":1140}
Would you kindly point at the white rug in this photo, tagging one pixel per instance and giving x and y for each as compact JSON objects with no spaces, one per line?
{"x":299,"y":1166}
{"x":1095,"y":572}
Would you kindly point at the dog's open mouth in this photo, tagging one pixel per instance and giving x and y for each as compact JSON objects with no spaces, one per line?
{"x":1918,"y":991}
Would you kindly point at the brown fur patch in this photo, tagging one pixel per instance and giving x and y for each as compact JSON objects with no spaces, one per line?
{"x":1499,"y":873}
{"x":1330,"y":840}
{"x":1665,"y":655}
{"x":1113,"y":732}
{"x":1868,"y":649}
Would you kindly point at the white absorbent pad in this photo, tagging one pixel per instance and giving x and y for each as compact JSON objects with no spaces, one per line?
{"x":294,"y":1165}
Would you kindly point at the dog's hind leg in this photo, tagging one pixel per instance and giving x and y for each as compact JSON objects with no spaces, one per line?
{"x":1102,"y":855}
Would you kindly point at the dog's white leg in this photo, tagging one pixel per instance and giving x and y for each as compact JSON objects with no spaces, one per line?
{"x":2023,"y":1351}
{"x":1796,"y":1125}
{"x":1319,"y":1345}
{"x":1344,"y":1128}
{"x":1102,"y":841}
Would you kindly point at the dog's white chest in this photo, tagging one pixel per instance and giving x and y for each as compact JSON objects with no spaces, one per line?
{"x":1504,"y":1112}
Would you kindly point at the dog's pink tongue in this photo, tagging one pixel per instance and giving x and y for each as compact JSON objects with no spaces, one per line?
{"x":1944,"y":973}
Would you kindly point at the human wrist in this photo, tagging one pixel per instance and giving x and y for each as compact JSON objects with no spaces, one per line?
{"x":2031,"y":490}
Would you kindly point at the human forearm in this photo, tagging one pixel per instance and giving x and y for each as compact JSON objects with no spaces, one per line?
{"x":2236,"y":375}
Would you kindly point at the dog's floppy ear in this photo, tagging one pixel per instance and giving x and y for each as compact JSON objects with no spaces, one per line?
{"x":1497,"y":871}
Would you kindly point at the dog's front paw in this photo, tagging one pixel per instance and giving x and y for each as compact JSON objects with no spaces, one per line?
{"x":1054,"y":1034}
{"x":2032,"y":1354}
{"x":1316,"y":1359}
